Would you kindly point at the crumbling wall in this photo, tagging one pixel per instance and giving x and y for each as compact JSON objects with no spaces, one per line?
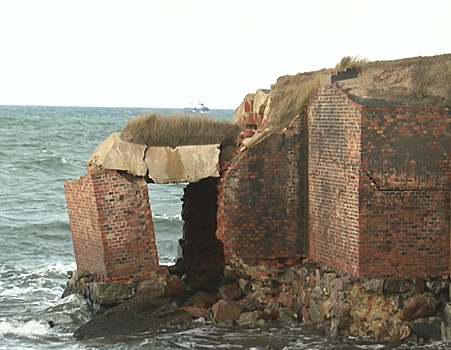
{"x":200,"y":247}
{"x":262,"y":200}
{"x":111,"y":225}
{"x":333,"y":161}
{"x":379,"y":186}
{"x":405,"y":191}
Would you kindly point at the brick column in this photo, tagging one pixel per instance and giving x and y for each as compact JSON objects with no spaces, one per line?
{"x":111,"y":225}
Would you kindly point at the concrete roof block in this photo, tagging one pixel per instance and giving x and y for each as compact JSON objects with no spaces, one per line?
{"x":182,"y":164}
{"x":114,"y":153}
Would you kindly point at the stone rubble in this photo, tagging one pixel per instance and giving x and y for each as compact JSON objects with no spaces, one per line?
{"x":382,"y":309}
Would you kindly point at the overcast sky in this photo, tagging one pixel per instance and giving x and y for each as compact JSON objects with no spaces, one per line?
{"x":146,"y":53}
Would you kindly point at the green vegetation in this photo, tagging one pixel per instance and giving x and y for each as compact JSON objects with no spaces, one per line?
{"x":154,"y":129}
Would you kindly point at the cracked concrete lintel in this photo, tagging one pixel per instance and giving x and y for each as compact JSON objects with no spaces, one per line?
{"x":182,"y":164}
{"x":114,"y":153}
{"x":161,"y":164}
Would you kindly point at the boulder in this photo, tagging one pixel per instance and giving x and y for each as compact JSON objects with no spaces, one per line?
{"x":225,"y":310}
{"x":286,"y":299}
{"x":152,"y":289}
{"x":314,"y":313}
{"x":251,"y":304}
{"x":77,"y":281}
{"x":233,"y":273}
{"x":105,"y":293}
{"x":389,"y":330}
{"x":396,"y":284}
{"x":201,"y":300}
{"x":174,"y":284}
{"x":253,"y":317}
{"x":426,"y":330}
{"x":287,"y":316}
{"x":375,"y":285}
{"x":196,"y":312}
{"x":437,"y":287}
{"x":137,"y":315}
{"x":230,"y":291}
{"x":418,"y":306}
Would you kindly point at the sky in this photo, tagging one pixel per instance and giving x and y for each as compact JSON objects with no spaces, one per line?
{"x":168,"y":53}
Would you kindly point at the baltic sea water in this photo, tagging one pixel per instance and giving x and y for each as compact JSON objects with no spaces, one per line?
{"x":41,"y":148}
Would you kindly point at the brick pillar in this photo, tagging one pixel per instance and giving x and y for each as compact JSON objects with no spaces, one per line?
{"x":111,"y":225}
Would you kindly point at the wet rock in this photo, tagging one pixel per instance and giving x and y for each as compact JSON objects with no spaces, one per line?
{"x":445,"y":332}
{"x":418,"y":306}
{"x":374,"y":285}
{"x":230,"y":291}
{"x":317,"y":293}
{"x":152,"y":289}
{"x":174,"y":284}
{"x":108,"y":293}
{"x":314,"y":314}
{"x":426,"y":330}
{"x":418,"y":284}
{"x":234,"y":274}
{"x":287,"y":316}
{"x":437,"y":287}
{"x":226,"y":310}
{"x":297,"y":286}
{"x":446,"y":314}
{"x":196,"y":312}
{"x":252,"y":317}
{"x":336,"y":285}
{"x":77,"y":281}
{"x":305,"y":297}
{"x":287,"y":277}
{"x":396,"y":284}
{"x":137,"y":315}
{"x":286,"y":299}
{"x":389,"y":330}
{"x":202,"y":300}
{"x":251,"y":304}
{"x":327,"y":306}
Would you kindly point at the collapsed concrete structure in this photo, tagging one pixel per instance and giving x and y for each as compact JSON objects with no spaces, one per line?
{"x":358,"y":178}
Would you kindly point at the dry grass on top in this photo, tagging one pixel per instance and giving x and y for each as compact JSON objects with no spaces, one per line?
{"x":154,"y":129}
{"x":290,"y":96}
{"x":351,"y":62}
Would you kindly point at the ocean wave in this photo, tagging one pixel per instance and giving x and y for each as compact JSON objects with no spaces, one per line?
{"x":29,"y":329}
{"x":167,"y":217}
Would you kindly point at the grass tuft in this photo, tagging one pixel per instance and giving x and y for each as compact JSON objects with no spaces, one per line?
{"x":290,"y":96}
{"x":351,"y":62}
{"x":154,"y":129}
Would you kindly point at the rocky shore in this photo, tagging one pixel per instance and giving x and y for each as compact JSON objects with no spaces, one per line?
{"x":380,"y":308}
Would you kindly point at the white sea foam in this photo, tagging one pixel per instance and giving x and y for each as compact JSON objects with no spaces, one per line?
{"x":29,"y":329}
{"x":177,"y":217}
{"x":57,"y":268}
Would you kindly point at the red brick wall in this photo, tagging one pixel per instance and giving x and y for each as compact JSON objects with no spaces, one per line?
{"x":333,"y":175}
{"x":85,"y":224}
{"x":111,"y":224}
{"x":405,"y":191}
{"x":261,"y":200}
{"x":404,"y":232}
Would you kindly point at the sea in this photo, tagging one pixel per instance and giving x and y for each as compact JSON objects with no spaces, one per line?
{"x":41,"y":147}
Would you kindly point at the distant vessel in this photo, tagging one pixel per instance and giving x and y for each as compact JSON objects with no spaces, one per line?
{"x":199,"y":108}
